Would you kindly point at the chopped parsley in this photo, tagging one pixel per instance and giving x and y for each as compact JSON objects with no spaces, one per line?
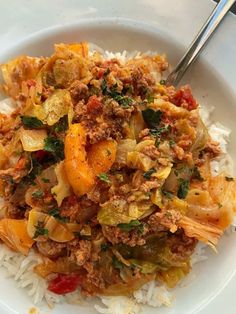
{"x":55,"y":212}
{"x":172,"y":143}
{"x":108,"y":71}
{"x":37,"y":194}
{"x":61,"y":125}
{"x":35,"y":169}
{"x":40,"y":230}
{"x":31,"y":122}
{"x":152,"y":117}
{"x":122,"y":100}
{"x":133,"y":224}
{"x":147,"y":174}
{"x":229,"y":179}
{"x":150,"y":98}
{"x":168,"y":194}
{"x":163,"y":82}
{"x":196,"y":174}
{"x":105,"y":247}
{"x":54,"y":146}
{"x":183,"y":188}
{"x":45,"y":180}
{"x":104,"y":177}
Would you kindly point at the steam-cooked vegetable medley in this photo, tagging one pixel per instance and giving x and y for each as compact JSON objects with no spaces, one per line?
{"x":105,"y":172}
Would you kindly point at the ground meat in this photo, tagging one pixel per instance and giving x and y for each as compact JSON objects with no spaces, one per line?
{"x":70,"y":208}
{"x":213,"y":148}
{"x":120,"y":112}
{"x":151,"y":151}
{"x":94,"y":282}
{"x":14,"y":212}
{"x":78,"y":91}
{"x":142,"y":83}
{"x":149,"y":185}
{"x":52,"y":249}
{"x":83,"y":252}
{"x":164,"y":221}
{"x":144,"y":134}
{"x":79,"y":210}
{"x":181,"y":244}
{"x":116,"y":235}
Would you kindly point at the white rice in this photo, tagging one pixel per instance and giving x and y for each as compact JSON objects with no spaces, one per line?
{"x":20,"y":268}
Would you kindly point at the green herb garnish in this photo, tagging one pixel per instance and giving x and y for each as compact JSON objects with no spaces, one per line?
{"x":172,"y":143}
{"x":150,"y":99}
{"x":31,"y":122}
{"x":168,"y":194}
{"x":55,"y":212}
{"x":37,"y":194}
{"x":147,"y":174}
{"x":104,"y":177}
{"x":61,"y":125}
{"x":183,"y":188}
{"x":133,"y":224}
{"x":45,"y":180}
{"x":163,"y":82}
{"x":122,"y":100}
{"x":196,"y":174}
{"x":40,"y":230}
{"x":152,"y":117}
{"x":104,"y":247}
{"x":54,"y":146}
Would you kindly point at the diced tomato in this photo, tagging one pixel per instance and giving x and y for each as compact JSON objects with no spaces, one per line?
{"x":94,"y":104}
{"x":101,"y":73}
{"x":184,"y":98}
{"x":21,"y":163}
{"x":63,"y":284}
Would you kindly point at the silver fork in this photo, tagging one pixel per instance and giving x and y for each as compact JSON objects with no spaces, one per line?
{"x":199,"y":41}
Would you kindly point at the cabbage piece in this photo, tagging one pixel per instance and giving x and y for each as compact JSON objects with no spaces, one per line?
{"x":119,"y":211}
{"x":137,"y":160}
{"x":201,"y":137}
{"x":123,"y":148}
{"x":18,"y":70}
{"x":67,"y":71}
{"x":62,"y":189}
{"x":68,"y":50}
{"x":32,"y":140}
{"x":146,"y":267}
{"x":41,"y":224}
{"x":155,"y":250}
{"x":54,"y":108}
{"x":156,"y":198}
{"x":173,"y":275}
{"x":206,"y":233}
{"x":162,"y":173}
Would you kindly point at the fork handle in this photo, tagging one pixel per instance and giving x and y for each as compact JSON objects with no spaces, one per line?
{"x":199,"y":41}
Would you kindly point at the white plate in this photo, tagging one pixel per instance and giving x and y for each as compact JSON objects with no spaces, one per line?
{"x":215,"y":279}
